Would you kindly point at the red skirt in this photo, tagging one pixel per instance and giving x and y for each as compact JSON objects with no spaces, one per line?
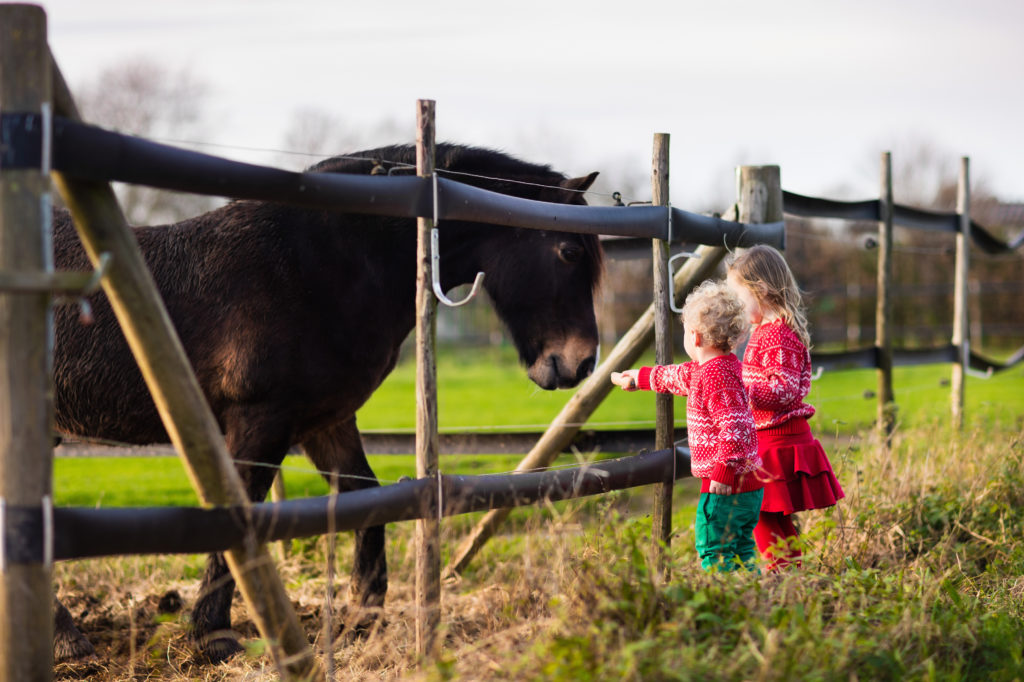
{"x":796,"y":470}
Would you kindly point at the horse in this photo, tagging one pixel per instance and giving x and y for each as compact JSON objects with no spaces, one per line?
{"x":291,"y":317}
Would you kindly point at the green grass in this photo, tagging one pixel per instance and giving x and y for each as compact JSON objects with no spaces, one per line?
{"x":489,"y":390}
{"x":915,"y":575}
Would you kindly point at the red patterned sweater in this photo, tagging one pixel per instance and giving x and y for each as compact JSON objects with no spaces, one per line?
{"x":723,"y":442}
{"x":776,"y":374}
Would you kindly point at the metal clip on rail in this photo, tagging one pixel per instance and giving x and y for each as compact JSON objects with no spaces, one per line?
{"x":435,"y":264}
{"x":671,"y":274}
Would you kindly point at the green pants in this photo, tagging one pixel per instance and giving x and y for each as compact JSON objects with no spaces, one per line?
{"x":725,"y":530}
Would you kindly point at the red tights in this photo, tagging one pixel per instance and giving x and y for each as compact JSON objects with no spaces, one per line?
{"x":770,"y":529}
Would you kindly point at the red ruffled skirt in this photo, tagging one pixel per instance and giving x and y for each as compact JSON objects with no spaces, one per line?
{"x":795,"y":468}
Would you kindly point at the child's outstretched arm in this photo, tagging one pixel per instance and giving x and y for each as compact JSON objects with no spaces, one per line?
{"x":626,"y":380}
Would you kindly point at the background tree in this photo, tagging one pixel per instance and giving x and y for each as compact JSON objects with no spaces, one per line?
{"x":141,"y":97}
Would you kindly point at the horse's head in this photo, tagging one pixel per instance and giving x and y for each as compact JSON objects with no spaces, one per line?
{"x":542,"y":283}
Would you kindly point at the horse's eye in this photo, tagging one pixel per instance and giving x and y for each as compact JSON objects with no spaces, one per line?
{"x":569,"y":253}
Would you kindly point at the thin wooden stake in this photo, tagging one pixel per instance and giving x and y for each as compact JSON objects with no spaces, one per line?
{"x":428,"y":546}
{"x":661,"y":530}
{"x":26,"y":450}
{"x":961,"y":338}
{"x":883,"y":307}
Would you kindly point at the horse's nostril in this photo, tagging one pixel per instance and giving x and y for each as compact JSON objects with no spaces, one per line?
{"x":585,"y":368}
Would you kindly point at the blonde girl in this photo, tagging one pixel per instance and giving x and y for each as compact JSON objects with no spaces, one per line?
{"x":777,"y":377}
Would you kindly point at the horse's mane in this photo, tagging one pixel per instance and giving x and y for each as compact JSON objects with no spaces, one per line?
{"x":478,"y":166}
{"x":483,"y":167}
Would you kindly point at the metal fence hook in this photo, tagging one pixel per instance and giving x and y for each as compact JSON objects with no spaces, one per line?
{"x":672,"y":278}
{"x":435,"y":275}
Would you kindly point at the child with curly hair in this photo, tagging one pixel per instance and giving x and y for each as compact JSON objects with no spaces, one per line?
{"x":722,"y":439}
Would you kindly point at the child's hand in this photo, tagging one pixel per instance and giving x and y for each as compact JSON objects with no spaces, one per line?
{"x":717,"y":488}
{"x":626,"y":380}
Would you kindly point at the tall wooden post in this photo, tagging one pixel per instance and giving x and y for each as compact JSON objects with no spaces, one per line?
{"x":661,"y":529}
{"x":883,"y":306}
{"x":26,"y":449}
{"x":759,"y":194}
{"x":428,"y":546}
{"x":961,"y":338}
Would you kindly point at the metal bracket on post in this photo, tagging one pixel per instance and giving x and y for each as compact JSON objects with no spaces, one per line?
{"x":67,"y":287}
{"x":26,"y":534}
{"x":3,"y":535}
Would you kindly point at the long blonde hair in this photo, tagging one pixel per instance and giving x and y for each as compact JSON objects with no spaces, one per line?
{"x":766,"y":274}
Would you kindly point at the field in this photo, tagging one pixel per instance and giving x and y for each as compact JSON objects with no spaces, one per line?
{"x":917,"y":574}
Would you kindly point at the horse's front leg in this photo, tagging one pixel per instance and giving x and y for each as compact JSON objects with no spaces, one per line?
{"x":338,"y":449}
{"x":256,"y":438}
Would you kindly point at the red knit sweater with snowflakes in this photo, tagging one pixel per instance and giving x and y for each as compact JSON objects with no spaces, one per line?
{"x":777,"y":374}
{"x":720,"y":428}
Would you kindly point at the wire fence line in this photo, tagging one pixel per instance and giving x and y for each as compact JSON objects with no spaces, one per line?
{"x":85,"y":151}
{"x":915,"y":218}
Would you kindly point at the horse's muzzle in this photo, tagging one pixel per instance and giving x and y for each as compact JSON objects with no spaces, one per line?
{"x":552,"y":371}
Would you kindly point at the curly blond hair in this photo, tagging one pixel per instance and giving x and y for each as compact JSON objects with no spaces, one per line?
{"x":718,"y":314}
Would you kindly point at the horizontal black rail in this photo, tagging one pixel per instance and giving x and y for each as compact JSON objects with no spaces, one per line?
{"x":397,"y":443}
{"x":92,"y":153}
{"x":908,"y":216}
{"x":864,"y":358}
{"x":81,"y":532}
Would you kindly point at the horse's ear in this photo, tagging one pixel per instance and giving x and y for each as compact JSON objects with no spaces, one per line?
{"x":579,"y":184}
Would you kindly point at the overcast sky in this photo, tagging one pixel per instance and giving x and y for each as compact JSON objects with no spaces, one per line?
{"x":818,"y":87}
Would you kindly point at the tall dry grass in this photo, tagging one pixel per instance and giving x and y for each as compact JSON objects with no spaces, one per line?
{"x":917,"y":574}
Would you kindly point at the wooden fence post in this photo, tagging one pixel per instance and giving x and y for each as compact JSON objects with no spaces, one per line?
{"x":883,"y":306}
{"x":26,"y":446}
{"x":759,"y":194}
{"x":661,"y":524}
{"x":428,"y":549}
{"x":183,"y":409}
{"x":961,"y":336}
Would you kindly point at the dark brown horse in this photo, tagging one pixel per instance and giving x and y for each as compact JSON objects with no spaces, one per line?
{"x":292,"y":317}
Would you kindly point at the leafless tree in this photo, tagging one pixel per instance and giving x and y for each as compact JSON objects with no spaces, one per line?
{"x":314,"y":134}
{"x":142,"y":97}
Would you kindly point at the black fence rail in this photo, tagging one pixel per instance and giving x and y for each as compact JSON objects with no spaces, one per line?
{"x":399,"y":443}
{"x":83,"y":532}
{"x":915,"y":218}
{"x":907,"y":216}
{"x":867,"y":358}
{"x":88,"y":152}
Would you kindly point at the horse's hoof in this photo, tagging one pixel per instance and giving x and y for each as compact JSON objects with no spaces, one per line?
{"x":68,"y":641}
{"x":359,"y":627}
{"x":219,"y":650}
{"x":71,"y":646}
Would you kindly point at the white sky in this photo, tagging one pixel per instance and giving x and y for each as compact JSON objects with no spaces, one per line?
{"x":819,"y":87}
